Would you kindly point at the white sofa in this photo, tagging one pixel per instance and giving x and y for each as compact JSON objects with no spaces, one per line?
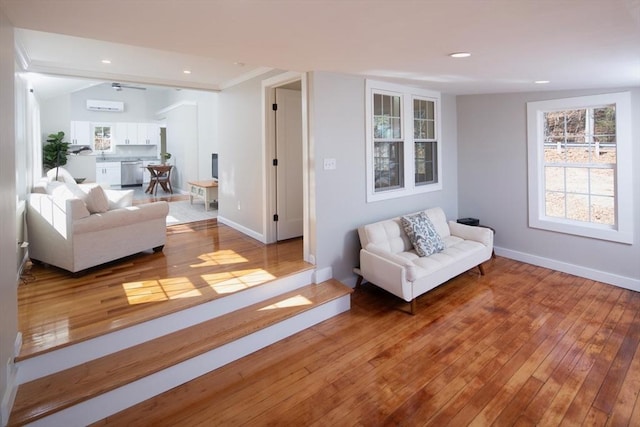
{"x":389,"y":261}
{"x":76,"y":227}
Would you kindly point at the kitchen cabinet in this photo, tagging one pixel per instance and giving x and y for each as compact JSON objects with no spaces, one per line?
{"x":108,"y":173}
{"x":80,"y":133}
{"x":148,"y":133}
{"x":137,"y":134}
{"x":126,"y":134}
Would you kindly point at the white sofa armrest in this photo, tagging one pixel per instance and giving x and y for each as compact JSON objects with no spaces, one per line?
{"x":388,"y":271}
{"x":482,"y":235}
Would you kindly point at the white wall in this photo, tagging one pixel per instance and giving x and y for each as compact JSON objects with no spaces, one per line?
{"x":492,"y":145}
{"x":240,"y":155}
{"x":182,"y":143}
{"x":337,"y":114}
{"x":8,"y":254}
{"x":207,"y":127}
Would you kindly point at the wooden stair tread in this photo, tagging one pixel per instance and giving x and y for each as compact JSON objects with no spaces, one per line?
{"x":132,"y":316}
{"x":47,"y":395}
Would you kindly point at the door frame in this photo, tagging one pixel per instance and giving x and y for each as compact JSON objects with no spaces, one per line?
{"x":268,"y":153}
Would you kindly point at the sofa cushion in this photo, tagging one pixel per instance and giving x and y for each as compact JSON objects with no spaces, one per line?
{"x":423,"y":235}
{"x":96,"y":200}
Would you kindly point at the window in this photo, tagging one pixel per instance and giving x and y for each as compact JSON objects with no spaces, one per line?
{"x":402,"y":141}
{"x":425,"y":144}
{"x":388,"y":141}
{"x":579,"y":166}
{"x":102,"y":137}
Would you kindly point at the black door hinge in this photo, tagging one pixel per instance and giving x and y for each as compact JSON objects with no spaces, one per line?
{"x":275,"y":217}
{"x":275,"y":162}
{"x":274,"y":107}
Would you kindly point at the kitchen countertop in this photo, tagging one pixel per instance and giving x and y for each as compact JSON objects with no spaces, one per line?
{"x":100,"y":159}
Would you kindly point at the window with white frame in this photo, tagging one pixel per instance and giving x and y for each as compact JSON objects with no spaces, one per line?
{"x":403,"y":149}
{"x":579,"y":166}
{"x":102,"y":137}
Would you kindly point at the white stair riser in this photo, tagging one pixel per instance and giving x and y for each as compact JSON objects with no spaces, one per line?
{"x":131,"y":394}
{"x":82,"y":352}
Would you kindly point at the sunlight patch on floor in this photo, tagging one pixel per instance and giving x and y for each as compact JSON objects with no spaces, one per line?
{"x":295,"y":301}
{"x":233,"y":281}
{"x":159,"y":290}
{"x":221,"y":257}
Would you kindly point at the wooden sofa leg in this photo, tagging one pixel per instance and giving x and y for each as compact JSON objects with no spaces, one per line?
{"x":158,"y":248}
{"x":413,"y":306}
{"x":359,"y":282}
{"x":481,"y":268}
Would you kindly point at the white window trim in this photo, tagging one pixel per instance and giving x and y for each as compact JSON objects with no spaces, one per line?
{"x":407,"y":94}
{"x":623,"y":231}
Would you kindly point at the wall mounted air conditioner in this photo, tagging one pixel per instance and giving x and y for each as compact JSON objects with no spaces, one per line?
{"x":96,"y":105}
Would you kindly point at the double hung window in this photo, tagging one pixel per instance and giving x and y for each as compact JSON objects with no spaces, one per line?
{"x":579,"y":166}
{"x":403,"y":149}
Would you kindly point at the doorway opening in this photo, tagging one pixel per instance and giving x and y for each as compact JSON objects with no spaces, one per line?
{"x":285,"y":136}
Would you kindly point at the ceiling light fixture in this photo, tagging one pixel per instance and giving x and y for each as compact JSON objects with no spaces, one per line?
{"x":187,"y":71}
{"x":106,"y":61}
{"x":541,"y":82}
{"x":460,"y":55}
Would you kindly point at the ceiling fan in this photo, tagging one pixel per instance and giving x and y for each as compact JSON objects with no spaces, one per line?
{"x":119,"y":86}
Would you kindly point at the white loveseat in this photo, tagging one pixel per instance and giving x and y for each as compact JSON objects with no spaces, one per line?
{"x":389,"y":261}
{"x":76,"y":227}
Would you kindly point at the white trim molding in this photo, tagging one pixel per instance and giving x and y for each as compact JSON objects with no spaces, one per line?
{"x":576,"y":270}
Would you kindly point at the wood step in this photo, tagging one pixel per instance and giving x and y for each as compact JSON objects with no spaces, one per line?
{"x":53,"y":393}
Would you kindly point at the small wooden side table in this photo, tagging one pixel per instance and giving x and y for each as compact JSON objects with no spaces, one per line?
{"x":205,"y":190}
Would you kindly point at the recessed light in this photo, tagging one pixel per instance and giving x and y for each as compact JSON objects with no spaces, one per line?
{"x":460,"y":55}
{"x":187,"y":71}
{"x":239,"y":64}
{"x":106,"y":61}
{"x":541,"y":82}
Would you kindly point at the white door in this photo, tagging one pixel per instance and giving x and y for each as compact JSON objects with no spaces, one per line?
{"x":289,"y":169}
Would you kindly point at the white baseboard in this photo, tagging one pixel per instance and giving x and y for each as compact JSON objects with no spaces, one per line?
{"x":576,"y":270}
{"x":322,"y":275}
{"x":241,"y":228}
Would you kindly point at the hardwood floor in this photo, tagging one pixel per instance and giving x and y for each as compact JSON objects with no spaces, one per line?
{"x":520,"y":346}
{"x":200,"y":262}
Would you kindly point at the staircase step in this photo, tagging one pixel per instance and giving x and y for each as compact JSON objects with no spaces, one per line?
{"x":48,"y":395}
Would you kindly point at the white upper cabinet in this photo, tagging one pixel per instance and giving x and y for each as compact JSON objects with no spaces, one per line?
{"x":137,"y":134}
{"x":80,"y":133}
{"x":148,"y":133}
{"x":126,"y":134}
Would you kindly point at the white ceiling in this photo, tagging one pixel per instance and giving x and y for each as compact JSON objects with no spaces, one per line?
{"x":572,"y":43}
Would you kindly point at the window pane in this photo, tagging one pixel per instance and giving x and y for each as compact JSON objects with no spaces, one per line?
{"x":388,"y":165}
{"x":554,"y":204}
{"x":425,"y":163}
{"x":577,"y":180}
{"x":602,"y":210}
{"x":554,"y":178}
{"x":602,"y":182}
{"x":423,"y":119}
{"x":578,"y":207}
{"x":387,"y":123}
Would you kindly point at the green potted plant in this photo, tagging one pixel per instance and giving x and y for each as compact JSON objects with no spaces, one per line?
{"x":165,"y":157}
{"x":54,"y":153}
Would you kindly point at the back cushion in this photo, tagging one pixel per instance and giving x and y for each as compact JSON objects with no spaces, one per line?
{"x":439,"y":221}
{"x":387,"y":235}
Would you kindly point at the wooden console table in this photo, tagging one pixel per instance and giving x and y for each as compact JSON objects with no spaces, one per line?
{"x":205,"y":190}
